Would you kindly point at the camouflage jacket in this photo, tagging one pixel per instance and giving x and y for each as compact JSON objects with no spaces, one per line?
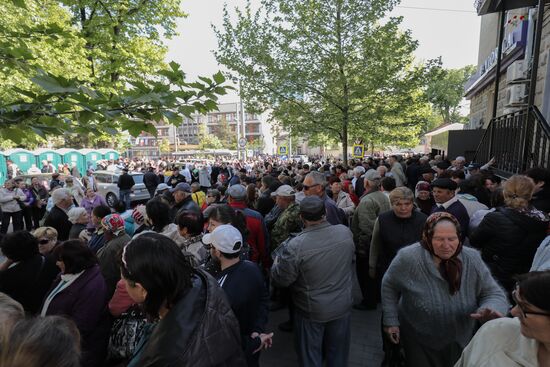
{"x":288,"y":222}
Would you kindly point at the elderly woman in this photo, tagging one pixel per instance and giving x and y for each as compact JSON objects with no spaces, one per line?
{"x":76,"y":191}
{"x":523,"y":341}
{"x":89,"y":202}
{"x":341,"y":198}
{"x":47,"y":240}
{"x":423,"y":197}
{"x":434,"y":291}
{"x":394,"y":229}
{"x":10,"y":196}
{"x":79,"y":218}
{"x":190,"y":226}
{"x":509,"y":236}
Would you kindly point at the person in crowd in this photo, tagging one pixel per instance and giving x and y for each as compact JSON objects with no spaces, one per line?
{"x":413,"y":172}
{"x":466,"y":195}
{"x":393,"y":230}
{"x":176,"y":177}
{"x":191,"y":310}
{"x":190,"y":227}
{"x":508,"y":237}
{"x":427,"y":174}
{"x":213,"y":197}
{"x":10,"y":197}
{"x":47,"y":241}
{"x":47,"y":167}
{"x":126,"y":214}
{"x":492,"y":182}
{"x":443,"y":190}
{"x":251,"y":195}
{"x":97,"y":239}
{"x":40,"y":193}
{"x":317,"y":266}
{"x":79,"y":218}
{"x":11,"y":312}
{"x":89,"y":180}
{"x":257,"y":237}
{"x":458,"y":164}
{"x":245,"y":288}
{"x":80,"y":294}
{"x":371,"y":206}
{"x":76,"y":191}
{"x":26,"y":203}
{"x":57,"y":217}
{"x":397,"y":171}
{"x":387,"y":185}
{"x":265,"y":202}
{"x":204,"y":178}
{"x":314,"y":185}
{"x":74,"y":171}
{"x":50,"y":341}
{"x":541,"y":193}
{"x":55,"y":181}
{"x":357,"y":181}
{"x":434,"y":292}
{"x":289,"y":220}
{"x":341,"y":198}
{"x":89,"y":202}
{"x":25,"y":275}
{"x":125,"y":186}
{"x":519,"y":341}
{"x":183,"y":200}
{"x":198,"y":196}
{"x":158,"y":214}
{"x":151,"y":181}
{"x":382,"y":171}
{"x":115,"y":239}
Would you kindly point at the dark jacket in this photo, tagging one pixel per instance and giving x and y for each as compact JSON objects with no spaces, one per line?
{"x":508,"y":240}
{"x":150,"y":180}
{"x":84,"y":302}
{"x":541,"y":200}
{"x":125,"y":182}
{"x":176,"y":179}
{"x":200,"y":331}
{"x":265,"y":203}
{"x":28,"y":281}
{"x":185,"y":204}
{"x":58,"y":219}
{"x":459,"y":211}
{"x":76,"y":229}
{"x":108,"y":257}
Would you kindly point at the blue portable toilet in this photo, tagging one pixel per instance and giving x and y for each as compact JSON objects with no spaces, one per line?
{"x":71,"y":156}
{"x":3,"y":168}
{"x":23,"y":158}
{"x":109,"y":154}
{"x":91,"y":157}
{"x":50,"y":155}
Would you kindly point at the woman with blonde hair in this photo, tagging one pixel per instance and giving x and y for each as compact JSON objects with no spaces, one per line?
{"x":508,"y":237}
{"x":47,"y":239}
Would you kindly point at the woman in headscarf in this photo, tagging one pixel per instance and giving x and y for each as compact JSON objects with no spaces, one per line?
{"x":423,"y":197}
{"x":433,"y":293}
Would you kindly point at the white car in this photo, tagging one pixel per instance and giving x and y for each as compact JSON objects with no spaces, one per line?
{"x":107,"y":186}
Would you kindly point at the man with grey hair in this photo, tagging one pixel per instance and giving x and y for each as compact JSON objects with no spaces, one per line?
{"x":357,"y":182}
{"x":314,"y":185}
{"x":57,"y":217}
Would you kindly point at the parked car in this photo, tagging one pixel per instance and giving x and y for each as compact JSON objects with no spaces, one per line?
{"x":107,"y":186}
{"x":45,"y":179}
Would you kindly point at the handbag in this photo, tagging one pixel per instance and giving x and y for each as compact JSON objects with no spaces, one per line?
{"x":126,"y":333}
{"x":394,"y":356}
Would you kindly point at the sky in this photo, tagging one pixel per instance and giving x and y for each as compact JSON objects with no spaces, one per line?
{"x":452,"y":33}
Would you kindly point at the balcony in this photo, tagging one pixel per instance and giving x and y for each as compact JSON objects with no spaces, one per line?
{"x":492,"y":6}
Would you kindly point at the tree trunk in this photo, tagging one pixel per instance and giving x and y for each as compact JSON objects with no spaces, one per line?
{"x":345,"y":122}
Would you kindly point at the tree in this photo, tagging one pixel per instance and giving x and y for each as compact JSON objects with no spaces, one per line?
{"x":93,"y":67}
{"x":445,"y":90}
{"x":327,"y":67}
{"x":164,"y":146}
{"x":208,"y":141}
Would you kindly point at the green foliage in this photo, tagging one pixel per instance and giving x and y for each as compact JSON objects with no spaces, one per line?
{"x":164,"y":146}
{"x":339,"y":69}
{"x":88,"y":67}
{"x":445,"y":90}
{"x":208,"y":141}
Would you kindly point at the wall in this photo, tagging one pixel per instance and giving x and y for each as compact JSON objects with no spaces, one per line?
{"x":543,"y":72}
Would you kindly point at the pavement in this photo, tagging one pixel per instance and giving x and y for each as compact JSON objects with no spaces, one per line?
{"x":365,"y":346}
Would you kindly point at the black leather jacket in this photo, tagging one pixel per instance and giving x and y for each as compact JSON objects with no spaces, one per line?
{"x":200,"y":331}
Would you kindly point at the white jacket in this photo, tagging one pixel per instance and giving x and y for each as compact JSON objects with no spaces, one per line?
{"x":344,"y":202}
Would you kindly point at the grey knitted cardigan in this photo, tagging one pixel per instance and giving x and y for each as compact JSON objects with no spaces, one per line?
{"x":416,"y":297}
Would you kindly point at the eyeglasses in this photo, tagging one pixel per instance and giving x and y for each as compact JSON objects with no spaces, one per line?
{"x":521,"y":308}
{"x":44,"y":241}
{"x":306,"y":187}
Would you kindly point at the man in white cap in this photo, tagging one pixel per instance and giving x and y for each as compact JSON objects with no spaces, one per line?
{"x":245,"y":288}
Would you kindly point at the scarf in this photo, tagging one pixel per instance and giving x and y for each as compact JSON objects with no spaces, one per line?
{"x":450,"y":269}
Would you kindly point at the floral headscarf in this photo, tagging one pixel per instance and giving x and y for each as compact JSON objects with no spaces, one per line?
{"x":450,"y":269}
{"x":113,"y":223}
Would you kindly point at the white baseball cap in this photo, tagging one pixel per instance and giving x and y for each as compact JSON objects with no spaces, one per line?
{"x":225,"y":238}
{"x":284,"y":190}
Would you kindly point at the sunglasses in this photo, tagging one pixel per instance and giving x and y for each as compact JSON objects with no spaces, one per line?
{"x":44,"y":241}
{"x":306,"y":187}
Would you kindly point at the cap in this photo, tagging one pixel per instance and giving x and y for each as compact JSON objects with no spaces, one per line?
{"x":474,"y":166}
{"x":182,"y":186}
{"x":237,"y":191}
{"x":284,"y":190}
{"x":445,"y":183}
{"x":427,"y":170}
{"x":443,"y":165}
{"x":311,"y":205}
{"x":225,"y":238}
{"x":372,"y":175}
{"x":162,"y":187}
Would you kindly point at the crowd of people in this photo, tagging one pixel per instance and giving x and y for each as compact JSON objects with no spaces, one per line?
{"x":189,"y":277}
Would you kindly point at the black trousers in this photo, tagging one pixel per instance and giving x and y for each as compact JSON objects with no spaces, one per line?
{"x":37,"y":215}
{"x":366,"y":283}
{"x":16,"y":217}
{"x":27,"y":216}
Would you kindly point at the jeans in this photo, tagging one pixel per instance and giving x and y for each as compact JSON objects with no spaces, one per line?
{"x":125,"y":197}
{"x":16,"y":217}
{"x":315,"y":340}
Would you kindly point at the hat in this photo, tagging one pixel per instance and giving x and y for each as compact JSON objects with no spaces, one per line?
{"x":427,"y":170}
{"x":237,"y":191}
{"x":474,"y":166}
{"x":284,"y":190}
{"x":443,"y":165}
{"x":422,"y":186}
{"x":225,"y":238}
{"x":182,"y":186}
{"x":445,"y":183}
{"x":162,"y":187}
{"x":372,"y":175}
{"x":113,"y":223}
{"x":311,"y":205}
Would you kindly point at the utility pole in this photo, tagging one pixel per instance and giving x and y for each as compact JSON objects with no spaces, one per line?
{"x":237,"y":125}
{"x":242,"y":116}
